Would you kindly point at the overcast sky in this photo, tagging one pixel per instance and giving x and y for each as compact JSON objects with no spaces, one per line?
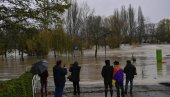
{"x":155,"y":10}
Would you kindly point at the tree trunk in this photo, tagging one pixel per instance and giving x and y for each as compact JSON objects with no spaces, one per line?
{"x":15,"y":54}
{"x":55,"y":54}
{"x":5,"y":53}
{"x":22,"y":55}
{"x":96,"y":50}
{"x":105,"y":47}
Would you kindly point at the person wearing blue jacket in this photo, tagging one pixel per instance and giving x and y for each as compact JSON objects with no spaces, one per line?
{"x":118,"y":76}
{"x":59,"y":78}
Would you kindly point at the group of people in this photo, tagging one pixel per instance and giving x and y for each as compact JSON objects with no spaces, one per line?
{"x":115,"y":75}
{"x":59,"y":74}
{"x":111,"y":74}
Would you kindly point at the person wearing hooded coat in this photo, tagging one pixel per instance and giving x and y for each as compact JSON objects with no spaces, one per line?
{"x":75,"y":73}
{"x":59,"y":78}
{"x":118,"y":76}
{"x":130,"y":71}
{"x":107,"y":75}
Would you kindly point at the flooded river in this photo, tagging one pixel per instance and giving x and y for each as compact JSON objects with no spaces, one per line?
{"x":148,"y":71}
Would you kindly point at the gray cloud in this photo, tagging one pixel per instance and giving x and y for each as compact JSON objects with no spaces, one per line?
{"x":154,"y":9}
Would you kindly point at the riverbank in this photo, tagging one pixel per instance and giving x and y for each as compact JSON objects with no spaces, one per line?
{"x":98,"y":91}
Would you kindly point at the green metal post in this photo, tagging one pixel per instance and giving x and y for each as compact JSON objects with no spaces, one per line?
{"x":159,"y":55}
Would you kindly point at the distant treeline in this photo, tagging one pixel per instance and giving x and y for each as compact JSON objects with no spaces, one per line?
{"x":36,"y":27}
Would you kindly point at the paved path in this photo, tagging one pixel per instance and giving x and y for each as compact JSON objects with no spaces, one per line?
{"x":139,"y":91}
{"x":95,"y":89}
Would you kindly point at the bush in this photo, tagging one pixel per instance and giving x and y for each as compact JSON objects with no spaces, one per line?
{"x":20,"y":87}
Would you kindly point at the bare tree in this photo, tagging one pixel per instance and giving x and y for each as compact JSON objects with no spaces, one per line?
{"x":76,"y":21}
{"x":141,"y":25}
{"x":124,"y":19}
{"x":131,"y":24}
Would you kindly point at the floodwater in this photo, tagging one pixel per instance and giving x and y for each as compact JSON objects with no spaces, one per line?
{"x":148,"y":71}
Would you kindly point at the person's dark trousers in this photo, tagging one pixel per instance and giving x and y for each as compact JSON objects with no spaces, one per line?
{"x":59,"y":90}
{"x":76,"y":87}
{"x":43,"y":86}
{"x":108,"y":84}
{"x":118,"y":88}
{"x":131,"y":85}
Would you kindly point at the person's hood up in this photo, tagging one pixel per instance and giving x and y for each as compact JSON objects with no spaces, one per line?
{"x":75,"y":63}
{"x":107,"y":62}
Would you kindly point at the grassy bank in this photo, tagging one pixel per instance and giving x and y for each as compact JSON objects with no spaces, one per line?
{"x":20,"y":87}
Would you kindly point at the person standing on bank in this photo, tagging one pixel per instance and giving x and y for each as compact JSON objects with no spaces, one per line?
{"x":118,"y":76}
{"x":107,"y":75}
{"x":59,"y":78}
{"x":130,"y":71}
{"x":43,"y":80}
{"x":43,"y":77}
{"x":75,"y":73}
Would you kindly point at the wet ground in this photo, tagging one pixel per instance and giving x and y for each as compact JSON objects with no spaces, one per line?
{"x":98,"y":91}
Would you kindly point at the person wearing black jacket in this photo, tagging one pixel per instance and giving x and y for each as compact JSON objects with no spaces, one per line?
{"x":59,"y":78}
{"x":43,"y":80}
{"x":107,"y":71}
{"x":130,"y":71}
{"x":75,"y":73}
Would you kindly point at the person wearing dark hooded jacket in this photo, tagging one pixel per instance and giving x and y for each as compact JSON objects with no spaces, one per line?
{"x":59,"y":78}
{"x":107,"y":75}
{"x":130,"y":71}
{"x":75,"y":73}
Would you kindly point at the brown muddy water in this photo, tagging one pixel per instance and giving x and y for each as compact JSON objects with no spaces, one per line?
{"x":148,"y":71}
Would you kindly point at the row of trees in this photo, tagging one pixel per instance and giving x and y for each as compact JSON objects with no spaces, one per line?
{"x":121,"y":27}
{"x":36,"y":27}
{"x":125,"y":26}
{"x":32,"y":26}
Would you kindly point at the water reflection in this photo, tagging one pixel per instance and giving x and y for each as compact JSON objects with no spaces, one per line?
{"x":159,"y":68}
{"x":146,"y":65}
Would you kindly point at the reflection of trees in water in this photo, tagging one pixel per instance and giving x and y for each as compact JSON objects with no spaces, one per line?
{"x":143,"y":67}
{"x":142,"y":63}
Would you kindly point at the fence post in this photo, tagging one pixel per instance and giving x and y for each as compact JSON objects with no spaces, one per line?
{"x":159,"y":55}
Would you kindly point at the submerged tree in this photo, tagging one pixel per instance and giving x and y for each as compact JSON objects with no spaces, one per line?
{"x":116,"y":27}
{"x":94,"y":30}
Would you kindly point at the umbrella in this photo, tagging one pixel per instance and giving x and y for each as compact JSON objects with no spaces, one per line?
{"x":39,"y":67}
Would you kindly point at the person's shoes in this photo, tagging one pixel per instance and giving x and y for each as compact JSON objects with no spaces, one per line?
{"x":78,"y":93}
{"x":131,"y":93}
{"x":125,"y":93}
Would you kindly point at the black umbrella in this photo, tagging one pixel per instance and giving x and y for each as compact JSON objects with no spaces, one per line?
{"x":39,"y":67}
